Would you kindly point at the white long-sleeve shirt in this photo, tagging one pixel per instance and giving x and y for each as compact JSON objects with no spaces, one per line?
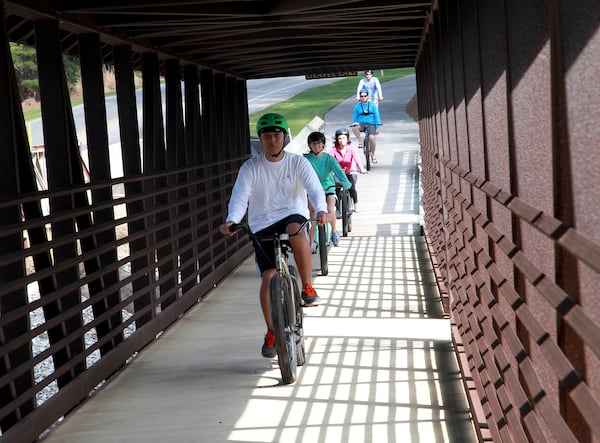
{"x":271,"y":191}
{"x":373,"y":86}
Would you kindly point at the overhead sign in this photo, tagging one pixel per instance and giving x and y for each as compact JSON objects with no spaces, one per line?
{"x":330,"y":75}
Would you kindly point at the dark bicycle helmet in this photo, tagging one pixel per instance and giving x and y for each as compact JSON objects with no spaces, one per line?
{"x":315,"y":137}
{"x":341,"y":131}
{"x":271,"y":122}
{"x":364,"y":91}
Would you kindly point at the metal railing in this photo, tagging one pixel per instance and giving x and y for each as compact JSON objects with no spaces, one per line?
{"x":85,"y":289}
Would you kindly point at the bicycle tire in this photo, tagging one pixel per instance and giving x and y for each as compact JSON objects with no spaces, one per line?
{"x":345,"y":209}
{"x":323,"y":249}
{"x":298,"y":327}
{"x":367,"y":150}
{"x":338,"y":202}
{"x":285,"y":341}
{"x":350,"y":206}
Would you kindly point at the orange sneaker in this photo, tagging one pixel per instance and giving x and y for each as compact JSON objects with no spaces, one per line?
{"x":309,"y":296}
{"x":268,"y":348}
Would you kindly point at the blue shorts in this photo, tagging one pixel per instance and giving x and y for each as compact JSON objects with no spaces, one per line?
{"x":263,"y":250}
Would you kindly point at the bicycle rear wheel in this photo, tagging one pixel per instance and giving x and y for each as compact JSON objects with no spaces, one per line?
{"x":338,"y":201}
{"x":285,"y":340}
{"x":323,"y":249}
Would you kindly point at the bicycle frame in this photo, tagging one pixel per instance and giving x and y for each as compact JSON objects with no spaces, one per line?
{"x":281,"y":253}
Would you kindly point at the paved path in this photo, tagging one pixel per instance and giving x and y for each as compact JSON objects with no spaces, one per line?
{"x":380,"y":363}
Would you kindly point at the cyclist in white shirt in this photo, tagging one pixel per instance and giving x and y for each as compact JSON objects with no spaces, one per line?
{"x":371,"y":84}
{"x":272,"y":187}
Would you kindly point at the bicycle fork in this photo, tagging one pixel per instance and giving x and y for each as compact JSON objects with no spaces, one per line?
{"x":289,"y":302}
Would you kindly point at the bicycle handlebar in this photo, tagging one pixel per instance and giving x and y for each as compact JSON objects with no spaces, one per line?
{"x":243,"y":227}
{"x":358,"y":124}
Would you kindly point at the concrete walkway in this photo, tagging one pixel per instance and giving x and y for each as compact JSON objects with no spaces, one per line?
{"x":380,"y":362}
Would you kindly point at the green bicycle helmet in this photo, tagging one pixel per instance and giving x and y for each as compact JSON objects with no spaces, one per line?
{"x":272,"y":122}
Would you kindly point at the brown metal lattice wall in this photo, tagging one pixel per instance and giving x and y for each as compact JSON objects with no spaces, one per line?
{"x":509,"y":102}
{"x":94,"y":268}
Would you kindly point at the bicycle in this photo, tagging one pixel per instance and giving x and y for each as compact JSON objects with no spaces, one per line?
{"x":345,"y":207}
{"x":322,"y":239}
{"x":286,"y":303}
{"x":366,"y":148}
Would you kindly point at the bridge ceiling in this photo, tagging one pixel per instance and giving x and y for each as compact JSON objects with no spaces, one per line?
{"x":246,"y":38}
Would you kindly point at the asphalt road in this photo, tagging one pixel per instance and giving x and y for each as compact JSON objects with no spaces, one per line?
{"x":261,"y":93}
{"x":265,"y":92}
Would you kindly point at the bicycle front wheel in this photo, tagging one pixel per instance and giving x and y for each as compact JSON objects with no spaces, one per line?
{"x":323,"y":249}
{"x":345,"y":209}
{"x":285,"y":340}
{"x":367,"y":150}
{"x":350,"y":205}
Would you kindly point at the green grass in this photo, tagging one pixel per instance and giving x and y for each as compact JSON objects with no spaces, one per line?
{"x":36,"y":111}
{"x":32,"y":113}
{"x":303,"y":107}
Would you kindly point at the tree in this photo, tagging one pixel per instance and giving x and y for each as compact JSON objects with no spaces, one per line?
{"x":72,"y":70}
{"x":25,"y":61}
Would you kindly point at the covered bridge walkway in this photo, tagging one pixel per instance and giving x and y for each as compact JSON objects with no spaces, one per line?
{"x":381,"y":366}
{"x":508,"y":111}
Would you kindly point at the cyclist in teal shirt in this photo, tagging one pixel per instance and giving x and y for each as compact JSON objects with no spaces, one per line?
{"x":327,"y":169}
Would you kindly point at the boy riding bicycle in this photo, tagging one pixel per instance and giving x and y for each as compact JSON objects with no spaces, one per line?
{"x":327,"y":169}
{"x":272,"y":187}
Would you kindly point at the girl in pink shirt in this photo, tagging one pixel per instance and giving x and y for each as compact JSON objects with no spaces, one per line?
{"x":349,"y":160}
